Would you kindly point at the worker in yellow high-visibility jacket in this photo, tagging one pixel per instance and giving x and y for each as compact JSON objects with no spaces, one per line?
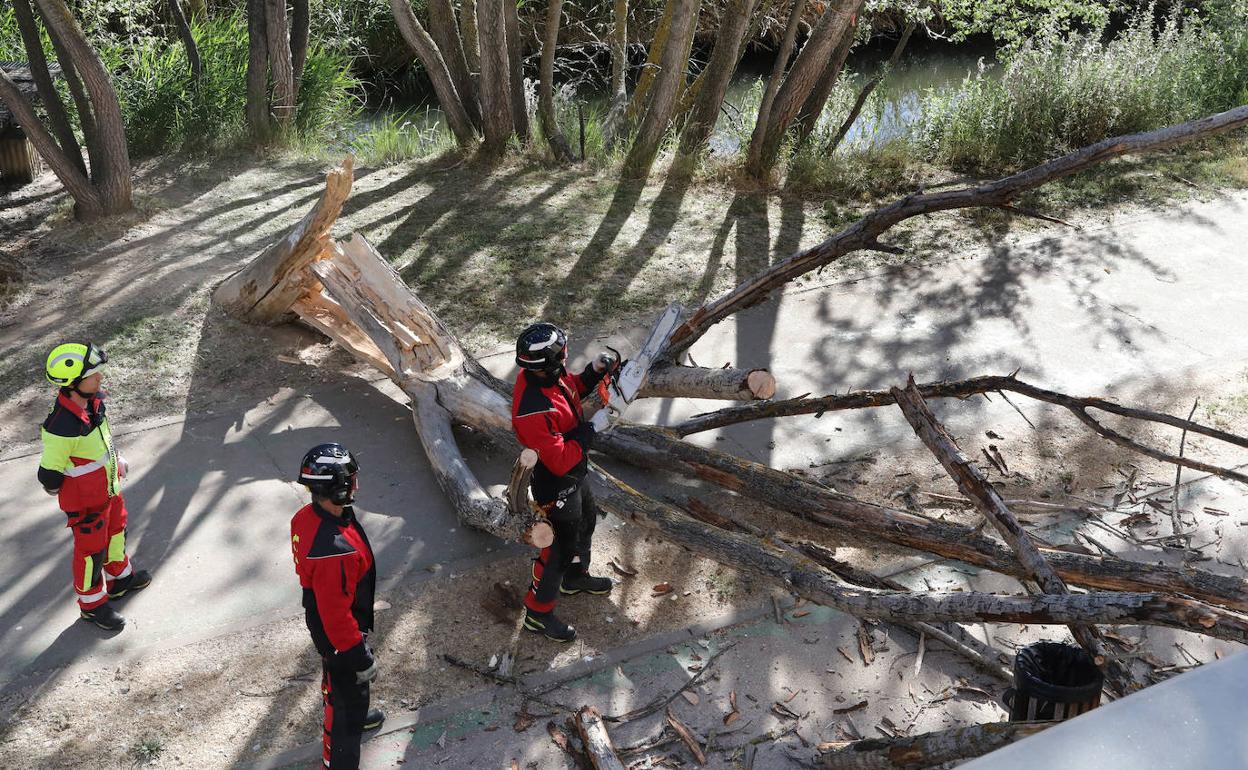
{"x":81,"y":467}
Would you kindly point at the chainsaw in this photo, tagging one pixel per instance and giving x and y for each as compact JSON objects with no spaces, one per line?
{"x":619,"y":390}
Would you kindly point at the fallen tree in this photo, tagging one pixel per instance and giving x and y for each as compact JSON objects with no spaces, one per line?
{"x":348,"y":291}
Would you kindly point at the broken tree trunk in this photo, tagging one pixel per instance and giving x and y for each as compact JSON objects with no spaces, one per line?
{"x":987,"y":500}
{"x":696,"y":382}
{"x":597,"y":742}
{"x":264,"y":290}
{"x":929,"y":749}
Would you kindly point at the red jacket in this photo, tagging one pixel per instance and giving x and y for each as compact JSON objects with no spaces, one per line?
{"x":336,"y":570}
{"x":541,"y":415}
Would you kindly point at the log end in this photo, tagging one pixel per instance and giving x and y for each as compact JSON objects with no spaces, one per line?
{"x":762,"y":384}
{"x":528,"y":459}
{"x":540,"y":535}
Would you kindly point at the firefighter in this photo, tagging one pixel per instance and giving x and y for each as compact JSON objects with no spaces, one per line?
{"x":546,"y":417}
{"x":80,"y":465}
{"x":338,"y":575}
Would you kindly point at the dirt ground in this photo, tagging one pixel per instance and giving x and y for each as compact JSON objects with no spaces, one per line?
{"x":486,"y":250}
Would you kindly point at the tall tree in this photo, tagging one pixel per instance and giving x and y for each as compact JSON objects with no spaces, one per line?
{"x":619,"y":68}
{"x":443,"y":30}
{"x":712,"y":82}
{"x":188,"y":40}
{"x":431,"y":57}
{"x":666,"y":86}
{"x":774,"y":79}
{"x":870,"y":86}
{"x":770,"y":133}
{"x":546,"y":87}
{"x":51,"y":98}
{"x":515,"y":70}
{"x":808,"y":117}
{"x":277,"y":51}
{"x":104,"y":188}
{"x":496,"y":109}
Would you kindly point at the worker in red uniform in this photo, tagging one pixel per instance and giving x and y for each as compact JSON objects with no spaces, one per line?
{"x":338,"y":575}
{"x":546,"y":417}
{"x":81,"y":466}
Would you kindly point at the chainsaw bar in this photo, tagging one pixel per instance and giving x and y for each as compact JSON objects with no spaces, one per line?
{"x":633,"y":375}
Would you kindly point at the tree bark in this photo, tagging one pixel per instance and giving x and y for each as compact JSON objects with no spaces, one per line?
{"x":257,"y":72}
{"x":799,"y":83}
{"x":471,"y":40}
{"x":812,"y":109}
{"x":188,"y":41}
{"x":654,"y":56}
{"x":496,"y":115}
{"x":515,"y":69}
{"x":281,"y":67}
{"x":58,"y":118}
{"x":300,"y":23}
{"x":871,"y":85}
{"x":697,"y":382}
{"x":865,"y":233}
{"x":596,"y":740}
{"x":546,"y":88}
{"x":82,"y":103}
{"x":928,"y":749}
{"x":773,"y":82}
{"x":712,"y":83}
{"x":619,"y":70}
{"x":110,"y":167}
{"x":443,"y":85}
{"x":859,"y":521}
{"x":87,"y":205}
{"x":663,"y":99}
{"x":443,"y":30}
{"x":972,"y":484}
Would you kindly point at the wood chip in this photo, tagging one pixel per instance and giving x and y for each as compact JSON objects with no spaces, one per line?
{"x":731,"y":717}
{"x":686,"y":737}
{"x":783,"y":711}
{"x":844,"y":654}
{"x":864,"y":645}
{"x":621,"y":569}
{"x":801,"y":614}
{"x":918,"y":661}
{"x":662,"y":588}
{"x":848,"y":709}
{"x":524,"y":720}
{"x":692,"y":697}
{"x":792,"y":696}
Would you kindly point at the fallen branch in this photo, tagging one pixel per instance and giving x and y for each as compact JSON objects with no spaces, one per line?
{"x":658,"y":704}
{"x":673,"y":381}
{"x":596,"y":740}
{"x":928,"y":749}
{"x":686,"y":737}
{"x":987,"y":500}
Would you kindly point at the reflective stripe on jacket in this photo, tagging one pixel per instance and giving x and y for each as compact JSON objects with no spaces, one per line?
{"x":79,"y":457}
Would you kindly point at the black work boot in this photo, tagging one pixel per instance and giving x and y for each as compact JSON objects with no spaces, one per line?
{"x":132,"y":583}
{"x":578,"y":579}
{"x":373,"y":719}
{"x":105,"y":617}
{"x":548,"y":625}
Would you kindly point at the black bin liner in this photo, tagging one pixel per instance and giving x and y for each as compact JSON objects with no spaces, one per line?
{"x":1053,"y":681}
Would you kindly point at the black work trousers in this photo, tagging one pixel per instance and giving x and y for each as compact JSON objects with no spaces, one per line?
{"x":346,"y":706}
{"x":573,"y":516}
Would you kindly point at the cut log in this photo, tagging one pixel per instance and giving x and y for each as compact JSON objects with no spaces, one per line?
{"x":928,"y":749}
{"x":540,"y":534}
{"x":698,"y":382}
{"x":987,"y":500}
{"x":596,"y":741}
{"x":266,"y":288}
{"x":853,"y":520}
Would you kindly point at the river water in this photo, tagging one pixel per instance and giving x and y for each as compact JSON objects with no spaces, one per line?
{"x":893,"y":111}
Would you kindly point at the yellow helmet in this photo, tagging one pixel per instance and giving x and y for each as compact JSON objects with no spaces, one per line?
{"x":72,"y":362}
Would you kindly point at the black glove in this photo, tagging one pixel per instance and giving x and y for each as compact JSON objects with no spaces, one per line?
{"x":582,"y":434}
{"x":606,"y":362}
{"x":360,"y":660}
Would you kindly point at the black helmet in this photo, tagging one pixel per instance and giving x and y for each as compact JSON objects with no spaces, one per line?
{"x":329,"y":471}
{"x":542,"y":347}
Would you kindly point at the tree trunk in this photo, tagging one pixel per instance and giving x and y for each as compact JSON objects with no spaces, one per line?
{"x":111,"y":170}
{"x":48,"y":95}
{"x":281,"y":67}
{"x":546,"y":88}
{"x":652,"y":67}
{"x":697,"y":382}
{"x":773,"y":81}
{"x":495,"y":78}
{"x":471,"y":40}
{"x":712,"y":83}
{"x":443,"y":85}
{"x":928,"y":749}
{"x":666,"y":85}
{"x":188,"y":41}
{"x":257,"y":72}
{"x":515,"y":69}
{"x":596,"y":740}
{"x":443,"y":30}
{"x":82,"y":103}
{"x":300,"y":22}
{"x":619,"y":69}
{"x":871,"y":85}
{"x":812,"y":108}
{"x":87,"y":204}
{"x":798,"y":85}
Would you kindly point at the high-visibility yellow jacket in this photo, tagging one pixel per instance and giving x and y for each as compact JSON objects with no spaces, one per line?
{"x":79,"y":458}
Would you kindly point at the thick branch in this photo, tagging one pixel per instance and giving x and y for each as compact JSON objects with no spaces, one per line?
{"x":928,"y":749}
{"x":48,"y":95}
{"x":820,"y":586}
{"x":423,"y":46}
{"x":860,"y":521}
{"x":867,"y":230}
{"x":698,"y":382}
{"x":987,"y":500}
{"x":188,"y":40}
{"x":596,"y":741}
{"x":871,"y":85}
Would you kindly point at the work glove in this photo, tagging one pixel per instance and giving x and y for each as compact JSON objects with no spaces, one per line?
{"x":52,"y":492}
{"x":123,"y":467}
{"x":360,"y":659}
{"x":582,"y":434}
{"x":606,"y":363}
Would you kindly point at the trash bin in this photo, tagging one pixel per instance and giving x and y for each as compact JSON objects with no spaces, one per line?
{"x":1053,"y":681}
